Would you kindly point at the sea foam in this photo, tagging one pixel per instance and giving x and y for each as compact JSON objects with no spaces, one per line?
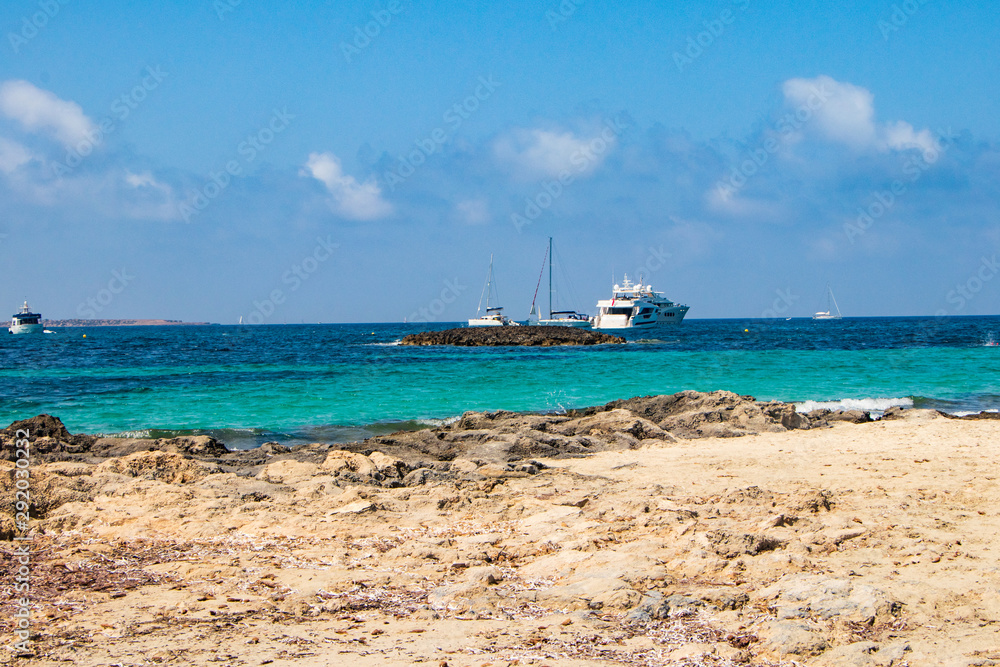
{"x":877,"y":405}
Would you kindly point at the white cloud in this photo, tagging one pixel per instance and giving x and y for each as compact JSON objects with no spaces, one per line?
{"x":840,"y":111}
{"x":900,"y":136}
{"x":544,"y":153}
{"x":39,"y":110}
{"x":845,"y":113}
{"x":12,"y":155}
{"x":358,"y":201}
{"x":473,"y":211}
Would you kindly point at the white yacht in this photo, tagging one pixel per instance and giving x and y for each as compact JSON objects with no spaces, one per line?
{"x":493,"y":316}
{"x":637,"y":305}
{"x":25,"y":321}
{"x":557,"y":318}
{"x":828,"y":314}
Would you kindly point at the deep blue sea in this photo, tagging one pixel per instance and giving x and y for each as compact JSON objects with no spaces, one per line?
{"x":335,"y":383}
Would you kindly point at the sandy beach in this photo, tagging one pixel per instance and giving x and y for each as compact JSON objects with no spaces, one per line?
{"x":635,"y":541}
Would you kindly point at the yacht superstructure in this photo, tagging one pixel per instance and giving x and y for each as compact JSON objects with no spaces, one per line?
{"x":25,"y":321}
{"x":637,"y":305}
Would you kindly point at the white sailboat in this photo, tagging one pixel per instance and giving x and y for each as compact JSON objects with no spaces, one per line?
{"x":493,"y":316}
{"x":557,"y":318}
{"x":828,"y":314}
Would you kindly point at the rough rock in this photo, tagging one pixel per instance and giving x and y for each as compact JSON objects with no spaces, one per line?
{"x":288,"y":471}
{"x":49,"y":490}
{"x":339,"y":461}
{"x":192,"y":445}
{"x":794,"y":637}
{"x":866,"y":654}
{"x":816,"y":595}
{"x":851,"y":416}
{"x":654,"y":606}
{"x":514,"y":335}
{"x":730,"y":544}
{"x":692,"y":414}
{"x":48,"y":437}
{"x":163,"y":466}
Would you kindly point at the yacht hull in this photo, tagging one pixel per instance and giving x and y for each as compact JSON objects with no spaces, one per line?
{"x":26,"y":329}
{"x":665,"y":316}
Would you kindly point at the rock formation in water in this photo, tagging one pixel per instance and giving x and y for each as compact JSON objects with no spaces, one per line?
{"x":534,"y":336}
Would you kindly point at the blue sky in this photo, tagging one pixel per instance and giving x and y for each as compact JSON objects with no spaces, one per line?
{"x":212,"y":159}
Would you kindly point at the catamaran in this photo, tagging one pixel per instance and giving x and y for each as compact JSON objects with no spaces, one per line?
{"x":25,"y":321}
{"x":493,"y":316}
{"x":637,"y":305}
{"x":828,"y":313}
{"x":557,"y":318}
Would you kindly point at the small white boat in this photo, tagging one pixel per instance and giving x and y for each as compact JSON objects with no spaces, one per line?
{"x":637,"y":305}
{"x":557,"y":318}
{"x":25,"y":321}
{"x":493,"y":316}
{"x":828,"y":314}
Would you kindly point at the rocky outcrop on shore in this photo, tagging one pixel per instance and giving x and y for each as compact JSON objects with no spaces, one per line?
{"x":695,"y":528}
{"x":514,"y":335}
{"x":494,"y":437}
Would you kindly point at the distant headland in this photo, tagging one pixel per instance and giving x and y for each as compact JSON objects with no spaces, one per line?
{"x":118,"y":323}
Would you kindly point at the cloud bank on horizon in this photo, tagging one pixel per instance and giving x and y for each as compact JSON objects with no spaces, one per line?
{"x":824,"y":186}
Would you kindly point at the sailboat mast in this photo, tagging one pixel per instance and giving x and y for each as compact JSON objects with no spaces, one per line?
{"x":489,"y":284}
{"x":486,"y":289}
{"x":550,"y":277}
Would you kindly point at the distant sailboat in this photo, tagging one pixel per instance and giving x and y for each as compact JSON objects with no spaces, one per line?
{"x":494,"y":316}
{"x":557,"y":318}
{"x":828,"y":314}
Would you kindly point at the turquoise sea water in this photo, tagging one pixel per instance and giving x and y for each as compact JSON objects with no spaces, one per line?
{"x":297,"y":383}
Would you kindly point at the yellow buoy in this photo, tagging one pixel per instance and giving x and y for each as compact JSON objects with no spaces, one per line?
{"x":84,"y":335}
{"x":746,"y":331}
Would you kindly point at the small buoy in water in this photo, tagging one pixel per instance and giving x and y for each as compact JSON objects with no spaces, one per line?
{"x":746,"y":331}
{"x":84,"y":335}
